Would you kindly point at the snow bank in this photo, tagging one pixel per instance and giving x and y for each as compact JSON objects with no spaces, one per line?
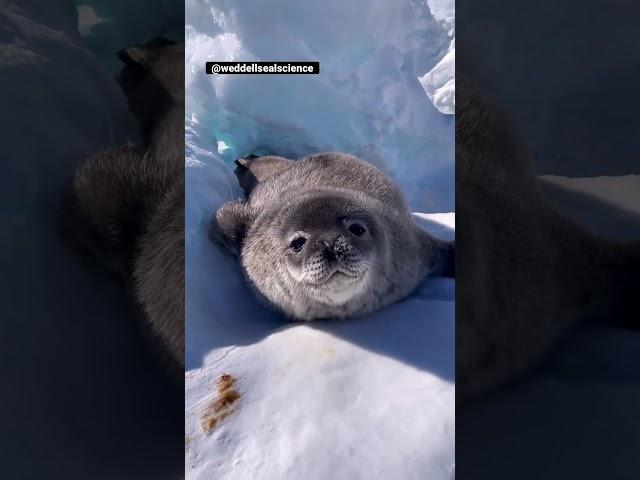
{"x":440,"y":83}
{"x":366,"y":398}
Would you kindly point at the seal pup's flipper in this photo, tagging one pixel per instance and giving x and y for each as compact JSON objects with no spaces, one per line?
{"x":253,"y":170}
{"x":438,"y":256}
{"x":229,"y":225}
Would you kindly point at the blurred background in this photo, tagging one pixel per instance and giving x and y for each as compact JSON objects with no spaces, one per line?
{"x":81,"y":396}
{"x":565,"y":74}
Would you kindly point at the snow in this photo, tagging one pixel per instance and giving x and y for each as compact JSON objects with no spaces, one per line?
{"x":440,"y":83}
{"x":364,"y":398}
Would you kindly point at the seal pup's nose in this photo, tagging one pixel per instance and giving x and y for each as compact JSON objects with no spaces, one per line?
{"x":327,"y":248}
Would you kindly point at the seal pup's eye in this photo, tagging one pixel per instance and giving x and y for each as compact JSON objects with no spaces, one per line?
{"x":297,"y":243}
{"x":357,"y":229}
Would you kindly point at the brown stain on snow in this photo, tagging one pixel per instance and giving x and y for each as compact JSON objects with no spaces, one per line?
{"x":222,"y":405}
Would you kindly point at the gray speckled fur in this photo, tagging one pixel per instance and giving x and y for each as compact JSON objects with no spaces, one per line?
{"x":318,"y":196}
{"x":127,"y":205}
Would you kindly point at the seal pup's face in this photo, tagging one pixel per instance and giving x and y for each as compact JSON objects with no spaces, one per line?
{"x":329,"y":248}
{"x":317,"y":257}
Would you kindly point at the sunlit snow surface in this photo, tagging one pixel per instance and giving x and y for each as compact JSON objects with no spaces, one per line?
{"x":365,"y":398}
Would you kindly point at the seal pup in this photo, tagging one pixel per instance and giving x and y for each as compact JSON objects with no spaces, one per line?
{"x":327,"y":236}
{"x":126,"y":204}
{"x":526,"y":275}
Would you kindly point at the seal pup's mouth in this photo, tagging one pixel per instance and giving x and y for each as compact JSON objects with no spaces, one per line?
{"x":338,"y":276}
{"x":339,"y":287}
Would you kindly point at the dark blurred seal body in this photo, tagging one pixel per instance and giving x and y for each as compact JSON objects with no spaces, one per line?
{"x":127,"y":203}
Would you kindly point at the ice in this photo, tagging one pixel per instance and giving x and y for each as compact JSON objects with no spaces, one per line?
{"x":440,"y":83}
{"x":370,"y":397}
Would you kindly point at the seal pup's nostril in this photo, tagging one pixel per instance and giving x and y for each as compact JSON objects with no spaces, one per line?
{"x":327,"y":250}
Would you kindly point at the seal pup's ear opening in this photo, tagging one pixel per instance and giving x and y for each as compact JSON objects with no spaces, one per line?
{"x":229,"y":225}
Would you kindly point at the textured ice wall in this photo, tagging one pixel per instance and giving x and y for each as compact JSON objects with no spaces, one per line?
{"x":367,"y":100}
